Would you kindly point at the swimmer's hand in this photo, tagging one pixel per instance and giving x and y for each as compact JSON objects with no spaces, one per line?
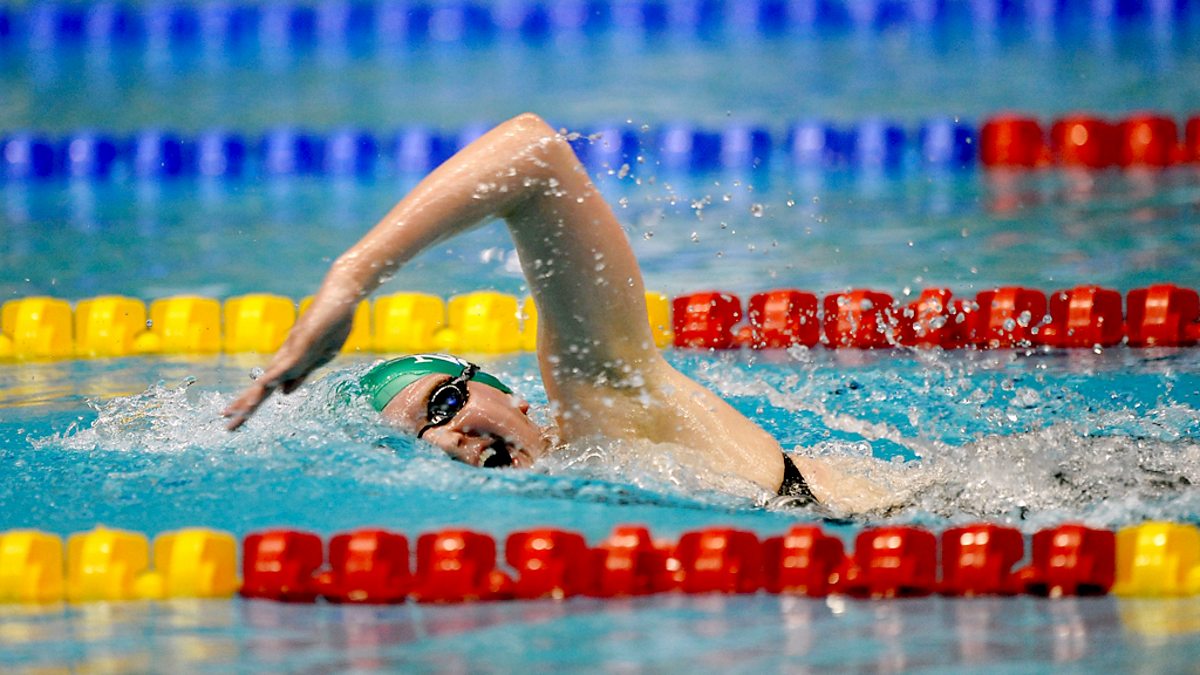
{"x":312,"y":343}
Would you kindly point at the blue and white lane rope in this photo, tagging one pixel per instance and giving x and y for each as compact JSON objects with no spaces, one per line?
{"x":355,"y":152}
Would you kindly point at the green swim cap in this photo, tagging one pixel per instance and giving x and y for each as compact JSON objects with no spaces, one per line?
{"x":382,"y":382}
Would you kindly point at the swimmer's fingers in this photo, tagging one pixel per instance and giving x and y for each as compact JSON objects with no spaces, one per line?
{"x":299,"y":356}
{"x":244,"y":406}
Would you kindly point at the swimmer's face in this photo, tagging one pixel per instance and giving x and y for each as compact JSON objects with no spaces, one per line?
{"x":492,"y":429}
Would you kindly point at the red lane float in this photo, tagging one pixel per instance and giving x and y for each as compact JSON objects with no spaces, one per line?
{"x":934,"y":319}
{"x":1008,"y":317}
{"x":891,"y":562}
{"x":1163,"y":316}
{"x":783,"y":318}
{"x":455,"y":565}
{"x":1083,"y":141}
{"x":719,"y":560}
{"x":979,"y":559}
{"x":367,"y":566}
{"x":805,"y":561}
{"x":280,"y":565}
{"x":1071,"y":560}
{"x":1085,"y":316}
{"x":549,"y":563}
{"x":458,"y":566}
{"x":861,"y":319}
{"x":1012,"y":141}
{"x":629,"y":563}
{"x":1147,"y":140}
{"x":1142,"y":140}
{"x":1002,"y":318}
{"x":706,"y":320}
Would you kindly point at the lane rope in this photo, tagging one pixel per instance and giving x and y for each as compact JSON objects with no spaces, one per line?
{"x":376,"y":566}
{"x":488,"y":322}
{"x":1004,"y":141}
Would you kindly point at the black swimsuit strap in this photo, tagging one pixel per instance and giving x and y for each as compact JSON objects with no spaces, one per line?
{"x":794,"y":484}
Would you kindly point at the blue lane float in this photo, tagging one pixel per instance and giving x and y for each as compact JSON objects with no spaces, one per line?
{"x":287,"y":151}
{"x":220,"y":154}
{"x":870,"y":145}
{"x":946,"y":143}
{"x":351,"y":152}
{"x":417,"y":150}
{"x":674,"y":148}
{"x":160,"y":154}
{"x":813,"y":144}
{"x":608,"y":147}
{"x":27,"y":156}
{"x":875,"y":144}
{"x":43,"y":25}
{"x":89,"y":156}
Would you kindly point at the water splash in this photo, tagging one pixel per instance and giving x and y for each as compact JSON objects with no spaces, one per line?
{"x":1027,"y":441}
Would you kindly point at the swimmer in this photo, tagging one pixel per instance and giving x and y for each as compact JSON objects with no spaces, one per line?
{"x":603,"y":374}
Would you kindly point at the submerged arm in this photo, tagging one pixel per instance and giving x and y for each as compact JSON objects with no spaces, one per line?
{"x":581,"y":271}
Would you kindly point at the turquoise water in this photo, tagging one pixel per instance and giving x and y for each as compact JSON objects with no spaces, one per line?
{"x":1030,"y":440}
{"x":1026,"y":439}
{"x":742,"y":234}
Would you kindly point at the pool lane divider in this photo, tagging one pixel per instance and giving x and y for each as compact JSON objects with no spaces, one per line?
{"x":376,"y":566}
{"x":488,"y":322}
{"x":315,"y":24}
{"x":1006,"y":141}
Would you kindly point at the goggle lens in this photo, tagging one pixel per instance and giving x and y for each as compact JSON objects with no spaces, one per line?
{"x":447,"y":400}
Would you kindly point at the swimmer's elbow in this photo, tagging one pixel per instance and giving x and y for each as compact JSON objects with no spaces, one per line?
{"x":531,"y":123}
{"x":538,"y":133}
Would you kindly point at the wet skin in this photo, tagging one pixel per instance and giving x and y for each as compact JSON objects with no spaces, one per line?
{"x":491,"y":429}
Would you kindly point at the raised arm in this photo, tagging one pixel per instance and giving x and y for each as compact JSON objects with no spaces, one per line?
{"x":581,"y":271}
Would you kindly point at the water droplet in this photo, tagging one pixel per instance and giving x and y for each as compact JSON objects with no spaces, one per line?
{"x":756,"y":210}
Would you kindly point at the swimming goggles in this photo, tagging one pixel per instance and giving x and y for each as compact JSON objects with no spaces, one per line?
{"x":448,"y":399}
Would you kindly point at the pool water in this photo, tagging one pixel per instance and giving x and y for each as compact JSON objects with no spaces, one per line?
{"x":1028,"y":439}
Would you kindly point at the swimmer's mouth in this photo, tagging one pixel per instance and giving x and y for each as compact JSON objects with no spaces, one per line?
{"x":496,"y":455}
